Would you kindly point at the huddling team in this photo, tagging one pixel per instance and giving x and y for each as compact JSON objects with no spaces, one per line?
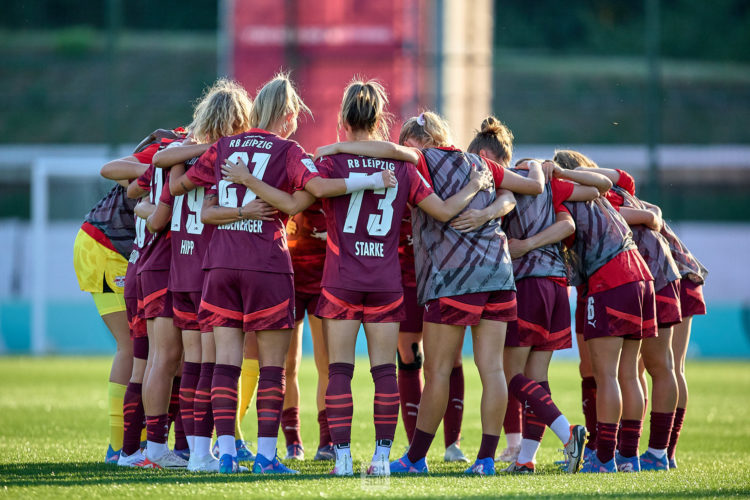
{"x":239,"y":232}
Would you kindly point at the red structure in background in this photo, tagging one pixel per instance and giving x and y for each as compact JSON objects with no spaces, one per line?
{"x":324,"y":43}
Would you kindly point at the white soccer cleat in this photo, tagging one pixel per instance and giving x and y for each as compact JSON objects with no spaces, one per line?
{"x":343,"y":466}
{"x":206,"y":463}
{"x":454,"y":454}
{"x":168,"y":460}
{"x":133,"y":460}
{"x":509,"y":454}
{"x":380,"y":466}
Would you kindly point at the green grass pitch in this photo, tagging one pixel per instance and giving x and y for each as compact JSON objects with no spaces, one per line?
{"x":53,"y":434}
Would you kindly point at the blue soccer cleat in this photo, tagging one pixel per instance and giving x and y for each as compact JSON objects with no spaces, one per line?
{"x":627,"y":464}
{"x":112,"y":456}
{"x":482,"y":467}
{"x":405,"y":466}
{"x":264,"y":466}
{"x":228,"y":464}
{"x":594,"y":465}
{"x":650,"y":462}
{"x":184,"y":454}
{"x":325,"y":453}
{"x":672,"y":463}
{"x":295,"y":452}
{"x":243,"y":452}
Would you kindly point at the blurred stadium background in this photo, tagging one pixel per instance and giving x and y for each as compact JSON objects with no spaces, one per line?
{"x":658,"y":87}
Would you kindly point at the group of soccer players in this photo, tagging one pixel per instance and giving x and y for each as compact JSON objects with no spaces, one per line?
{"x":238,"y":232}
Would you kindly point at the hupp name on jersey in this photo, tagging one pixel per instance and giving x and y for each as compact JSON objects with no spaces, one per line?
{"x":371,"y":163}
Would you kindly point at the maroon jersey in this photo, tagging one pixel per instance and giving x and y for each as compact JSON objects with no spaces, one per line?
{"x":157,"y":253}
{"x":142,"y":234}
{"x":308,"y":248}
{"x":363,"y":227}
{"x":406,"y":252}
{"x":252,"y":245}
{"x":190,"y":239}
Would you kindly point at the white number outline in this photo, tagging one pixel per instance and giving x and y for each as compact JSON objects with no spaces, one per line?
{"x":228,"y":195}
{"x":377,"y":224}
{"x":194,"y":200}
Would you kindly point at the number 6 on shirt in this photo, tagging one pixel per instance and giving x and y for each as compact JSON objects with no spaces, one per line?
{"x":377,"y":224}
{"x":228,"y":195}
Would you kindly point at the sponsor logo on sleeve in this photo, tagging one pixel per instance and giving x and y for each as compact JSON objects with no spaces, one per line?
{"x":307,"y":162}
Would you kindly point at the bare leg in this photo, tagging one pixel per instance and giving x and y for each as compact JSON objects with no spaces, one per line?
{"x":659,"y":361}
{"x":605,"y":359}
{"x":320,"y":353}
{"x":632,"y":396}
{"x":489,"y":340}
{"x":680,"y":340}
{"x":122,"y":363}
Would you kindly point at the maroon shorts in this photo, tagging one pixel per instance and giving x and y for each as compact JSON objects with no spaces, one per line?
{"x":469,"y":309}
{"x":136,"y":323}
{"x":580,"y":313}
{"x":251,"y":300}
{"x":157,"y":299}
{"x":367,"y":307}
{"x":668,"y":310}
{"x":543,"y":316}
{"x":185,"y":306}
{"x":140,"y":348}
{"x":627,"y":311}
{"x":692,"y":302}
{"x":304,"y":302}
{"x":414,"y":312}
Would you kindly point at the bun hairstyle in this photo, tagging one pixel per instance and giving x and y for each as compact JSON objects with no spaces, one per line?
{"x":570,"y":159}
{"x":363,"y":108}
{"x":494,"y":137}
{"x":429,"y":129}
{"x":223,"y":110}
{"x":274,"y":101}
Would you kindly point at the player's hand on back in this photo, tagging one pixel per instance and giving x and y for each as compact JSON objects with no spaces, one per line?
{"x":469,"y":220}
{"x":236,"y":173}
{"x":548,"y":169}
{"x":327,"y":150}
{"x":517,"y":248}
{"x":259,"y":210}
{"x":389,"y":179}
{"x":482,"y":180}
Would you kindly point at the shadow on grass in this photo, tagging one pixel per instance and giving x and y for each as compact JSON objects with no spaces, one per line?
{"x":95,"y":474}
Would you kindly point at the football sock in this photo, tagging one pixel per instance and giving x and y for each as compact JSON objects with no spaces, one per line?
{"x":661,"y":429}
{"x":180,"y":440}
{"x":325,"y":434}
{"x":339,"y":404}
{"x":190,"y":375}
{"x":385,"y":403}
{"x":606,"y":441}
{"x":132,"y":412}
{"x":248,"y":383}
{"x":529,"y":447}
{"x":224,"y":404}
{"x":270,"y":400}
{"x":203,"y":417}
{"x":290,"y":425}
{"x":588,"y":402}
{"x":679,"y":418}
{"x":157,"y":429}
{"x":410,"y":392}
{"x":419,"y":445}
{"x":561,"y":428}
{"x":201,"y":446}
{"x":533,"y":426}
{"x":513,"y":418}
{"x":629,"y":437}
{"x":488,"y":447}
{"x":539,"y":404}
{"x":116,"y":424}
{"x":382,"y":447}
{"x":513,"y":439}
{"x":454,"y":412}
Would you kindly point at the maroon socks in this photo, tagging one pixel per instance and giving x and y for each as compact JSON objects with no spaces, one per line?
{"x":588,"y":402}
{"x":385,"y":404}
{"x":454,"y":413}
{"x":679,"y":418}
{"x":133,"y":418}
{"x":534,"y":397}
{"x":203,"y":417}
{"x":224,"y":398}
{"x":290,"y":425}
{"x":533,"y":426}
{"x":661,"y":429}
{"x":629,"y":437}
{"x":157,"y":428}
{"x":606,"y":441}
{"x":410,"y":392}
{"x":420,"y":445}
{"x":190,"y":376}
{"x":339,"y":405}
{"x":513,"y":416}
{"x":325,"y":434}
{"x":270,"y":400}
{"x":488,"y":446}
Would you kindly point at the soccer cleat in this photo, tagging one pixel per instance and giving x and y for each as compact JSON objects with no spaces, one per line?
{"x":516,"y":468}
{"x":574,"y":448}
{"x":454,"y":454}
{"x":207,"y":463}
{"x":295,"y":452}
{"x":184,"y":454}
{"x":167,"y":460}
{"x":672,"y":463}
{"x":243,"y":452}
{"x":228,"y":464}
{"x":325,"y":453}
{"x":343,"y":466}
{"x":133,"y":460}
{"x":264,"y":466}
{"x":405,"y":466}
{"x":379,"y":467}
{"x":594,"y":465}
{"x":112,"y":456}
{"x":482,"y":467}
{"x":651,"y":462}
{"x":509,"y":454}
{"x":627,"y":464}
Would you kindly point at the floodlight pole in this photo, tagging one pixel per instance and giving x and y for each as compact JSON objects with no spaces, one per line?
{"x":653,"y":96}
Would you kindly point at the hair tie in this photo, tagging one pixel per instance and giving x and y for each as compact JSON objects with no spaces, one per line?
{"x":420,"y":120}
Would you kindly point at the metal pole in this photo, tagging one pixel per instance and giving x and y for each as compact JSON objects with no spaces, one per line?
{"x":439,"y":50}
{"x":225,"y":36}
{"x":113,"y":88}
{"x":653,"y":101}
{"x":39,"y":213}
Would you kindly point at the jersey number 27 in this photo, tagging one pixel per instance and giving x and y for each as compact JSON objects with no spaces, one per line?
{"x":228,"y":195}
